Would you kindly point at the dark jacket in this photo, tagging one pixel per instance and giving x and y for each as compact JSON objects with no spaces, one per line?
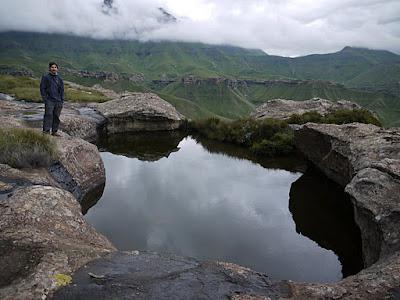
{"x":52,"y":88}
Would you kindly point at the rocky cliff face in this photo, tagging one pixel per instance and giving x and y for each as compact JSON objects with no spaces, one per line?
{"x":283,"y":109}
{"x":365,"y":159}
{"x":139,"y":112}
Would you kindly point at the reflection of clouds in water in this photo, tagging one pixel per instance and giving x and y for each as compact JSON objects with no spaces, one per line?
{"x":208,"y":206}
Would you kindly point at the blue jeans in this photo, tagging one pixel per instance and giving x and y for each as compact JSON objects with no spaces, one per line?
{"x":52,"y":112}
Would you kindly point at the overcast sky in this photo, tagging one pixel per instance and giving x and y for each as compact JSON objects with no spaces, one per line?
{"x":281,"y":27}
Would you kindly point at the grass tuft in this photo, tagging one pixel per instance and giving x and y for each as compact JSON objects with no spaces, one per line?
{"x":267,"y":137}
{"x":340,"y":116}
{"x":26,"y":148}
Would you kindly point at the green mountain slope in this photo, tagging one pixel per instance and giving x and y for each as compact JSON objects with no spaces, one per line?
{"x":354,"y":67}
{"x":370,"y":70}
{"x":216,"y":97}
{"x":233,"y":101}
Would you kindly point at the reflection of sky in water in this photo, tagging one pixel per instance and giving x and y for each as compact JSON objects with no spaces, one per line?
{"x":209,"y":206}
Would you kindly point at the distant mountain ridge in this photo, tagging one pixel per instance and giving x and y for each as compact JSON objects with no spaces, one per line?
{"x":137,"y":65}
{"x":353,"y":67}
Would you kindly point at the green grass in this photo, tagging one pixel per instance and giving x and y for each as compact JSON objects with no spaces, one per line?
{"x":26,"y":88}
{"x":218,"y":99}
{"x":26,"y":148}
{"x":272,"y":137}
{"x":340,"y":116}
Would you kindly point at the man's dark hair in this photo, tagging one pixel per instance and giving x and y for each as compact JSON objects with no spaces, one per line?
{"x":52,"y":63}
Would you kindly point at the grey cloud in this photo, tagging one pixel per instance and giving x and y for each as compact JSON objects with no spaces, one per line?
{"x":287,"y":27}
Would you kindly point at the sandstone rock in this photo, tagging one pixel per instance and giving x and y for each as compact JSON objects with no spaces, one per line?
{"x":376,"y":199}
{"x":365,"y":159}
{"x":140,"y":112}
{"x":79,"y":168}
{"x":380,"y":281}
{"x":343,"y":150}
{"x":283,"y":109}
{"x":75,"y":120}
{"x":42,"y":235}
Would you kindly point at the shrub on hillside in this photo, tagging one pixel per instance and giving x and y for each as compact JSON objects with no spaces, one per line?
{"x":340,"y":116}
{"x":265,"y":137}
{"x":26,"y":148}
{"x":310,"y":116}
{"x":343,"y":116}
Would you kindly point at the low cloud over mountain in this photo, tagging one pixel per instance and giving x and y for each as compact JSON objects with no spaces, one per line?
{"x":284,"y":27}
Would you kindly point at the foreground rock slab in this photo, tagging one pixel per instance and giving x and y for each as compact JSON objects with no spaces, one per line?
{"x":148,"y":275}
{"x":283,"y":109}
{"x":140,"y":112}
{"x":43,"y":237}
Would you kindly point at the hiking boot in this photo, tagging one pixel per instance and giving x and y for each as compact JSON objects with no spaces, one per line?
{"x":55,"y":133}
{"x":46,"y":132}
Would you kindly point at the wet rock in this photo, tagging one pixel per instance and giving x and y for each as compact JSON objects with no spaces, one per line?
{"x":43,"y":234}
{"x":148,"y":275}
{"x":283,"y":109}
{"x":4,"y":187}
{"x":6,"y":97}
{"x":140,"y":112}
{"x":25,"y":177}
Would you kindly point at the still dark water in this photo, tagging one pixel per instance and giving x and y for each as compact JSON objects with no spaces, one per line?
{"x":170,"y":193}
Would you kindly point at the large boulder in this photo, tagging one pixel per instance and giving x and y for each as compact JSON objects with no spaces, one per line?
{"x":43,"y":239}
{"x":283,"y":109}
{"x":140,"y":112}
{"x":365,"y":159}
{"x":79,"y":168}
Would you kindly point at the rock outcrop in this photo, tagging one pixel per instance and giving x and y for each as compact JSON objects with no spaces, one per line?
{"x":365,"y":159}
{"x":79,"y":168}
{"x":43,"y":238}
{"x":139,"y":112}
{"x":76,"y":120}
{"x":283,"y":109}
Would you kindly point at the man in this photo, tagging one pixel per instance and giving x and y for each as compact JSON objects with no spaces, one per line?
{"x":52,"y":92}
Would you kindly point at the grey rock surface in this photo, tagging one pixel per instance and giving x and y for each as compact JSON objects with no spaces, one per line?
{"x":139,"y":112}
{"x":148,"y":275}
{"x":283,"y":109}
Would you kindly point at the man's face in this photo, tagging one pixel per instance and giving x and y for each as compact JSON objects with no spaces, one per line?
{"x":53,"y":69}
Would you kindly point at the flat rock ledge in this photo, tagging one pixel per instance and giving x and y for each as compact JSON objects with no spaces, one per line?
{"x":365,"y":160}
{"x":283,"y":109}
{"x":149,"y":275}
{"x":139,"y":112}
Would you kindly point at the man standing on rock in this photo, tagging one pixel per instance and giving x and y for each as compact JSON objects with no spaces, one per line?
{"x":52,"y":92}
